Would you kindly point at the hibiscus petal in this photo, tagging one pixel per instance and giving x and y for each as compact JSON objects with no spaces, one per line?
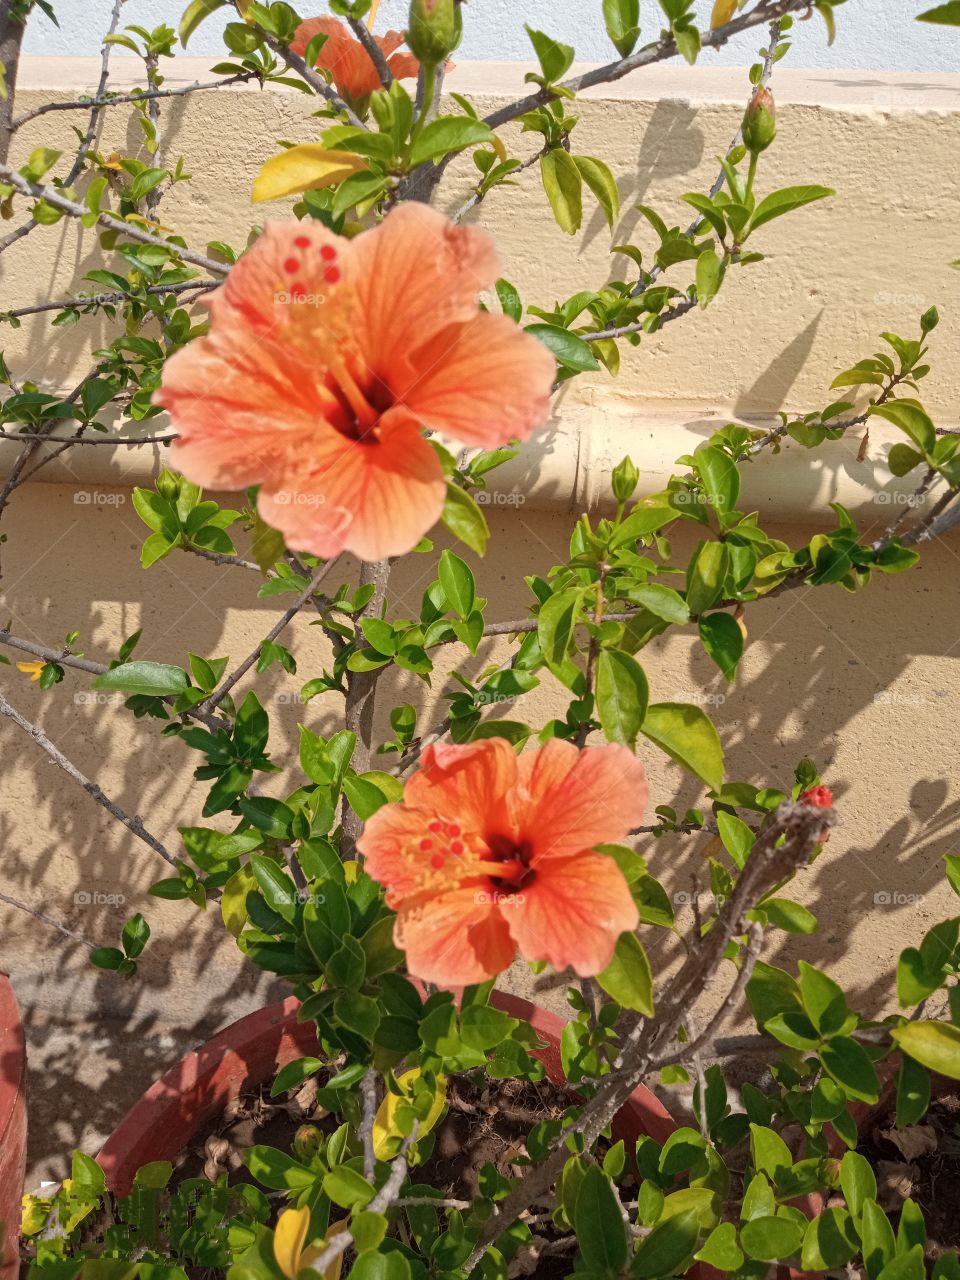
{"x":386,"y":842}
{"x":415,"y":275}
{"x":375,"y":498}
{"x":483,"y":382}
{"x":455,"y":939}
{"x":597,"y":798}
{"x":572,"y":913}
{"x":468,"y":784}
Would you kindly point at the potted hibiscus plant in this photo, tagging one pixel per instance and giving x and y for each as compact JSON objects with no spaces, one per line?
{"x":424,"y":1125}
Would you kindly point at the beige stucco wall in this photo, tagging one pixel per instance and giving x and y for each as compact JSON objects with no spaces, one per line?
{"x":865,"y":685}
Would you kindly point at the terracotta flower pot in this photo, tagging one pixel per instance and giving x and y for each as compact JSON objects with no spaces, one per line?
{"x":173,"y":1111}
{"x":13,"y":1126}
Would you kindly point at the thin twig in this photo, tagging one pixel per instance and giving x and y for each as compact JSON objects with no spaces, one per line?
{"x":54,"y":197}
{"x":140,"y":95}
{"x":48,"y":920}
{"x":216,"y":698}
{"x":134,"y":824}
{"x":104,"y":299}
{"x":369,"y":42}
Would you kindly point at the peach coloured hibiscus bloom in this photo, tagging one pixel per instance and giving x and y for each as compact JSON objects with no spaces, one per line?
{"x":350,"y":66}
{"x":325,"y":359}
{"x":490,"y":852}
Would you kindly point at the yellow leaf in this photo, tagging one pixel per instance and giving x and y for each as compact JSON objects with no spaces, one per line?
{"x":387,"y":1137}
{"x":31,"y":669}
{"x":310,"y":1255}
{"x":499,"y":147}
{"x":723,"y":11}
{"x":304,"y":168}
{"x":233,"y":904}
{"x":289,"y":1239}
{"x":243,"y":8}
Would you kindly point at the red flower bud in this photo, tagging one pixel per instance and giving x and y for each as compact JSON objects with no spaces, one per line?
{"x":759,"y":122}
{"x":817,"y":798}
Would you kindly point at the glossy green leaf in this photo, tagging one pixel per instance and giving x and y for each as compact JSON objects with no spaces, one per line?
{"x":689,"y":737}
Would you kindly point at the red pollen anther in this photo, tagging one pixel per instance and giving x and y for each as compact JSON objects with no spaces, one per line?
{"x":435,"y":827}
{"x":456,"y":847}
{"x":332,"y":275}
{"x":328,"y":253}
{"x":426,"y":845}
{"x":292,"y":266}
{"x":299,"y":289}
{"x":454,"y":830}
{"x":302,"y":242}
{"x":437,"y":861}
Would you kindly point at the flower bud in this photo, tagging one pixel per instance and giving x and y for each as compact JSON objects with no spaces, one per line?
{"x":169,"y":485}
{"x":817,"y":798}
{"x":624,"y":480}
{"x":435,"y":29}
{"x":759,"y":122}
{"x":307,"y":1141}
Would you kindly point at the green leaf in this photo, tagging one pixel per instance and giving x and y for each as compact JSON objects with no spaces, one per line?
{"x":935,"y":1045}
{"x":911,"y":417}
{"x":721,"y":480}
{"x":458,"y":584}
{"x":563,"y":183}
{"x":721,"y":1250}
{"x":627,"y":978}
{"x":276,"y":1170}
{"x":622,"y":695}
{"x":568,"y":350}
{"x":789,"y":916}
{"x":902,"y":459}
{"x":602,"y":183}
{"x":768,"y":1151}
{"x":850,"y":1065}
{"x":153,"y":679}
{"x":622,"y":20}
{"x":905,"y":1266}
{"x":293,"y":1074}
{"x":946,"y":14}
{"x":555,"y":58}
{"x":771,"y":1239}
{"x":599,"y":1224}
{"x":709,"y":277}
{"x":447,"y":135}
{"x":667,"y":1246}
{"x":878,"y":1241}
{"x":194,"y":15}
{"x":785,"y":201}
{"x":87,"y":1175}
{"x":465,"y":520}
{"x":689,"y":737}
{"x":723,"y":640}
{"x":705,"y":575}
{"x":830,"y":1241}
{"x":736,"y":836}
{"x":913,"y":1092}
{"x":557,"y":622}
{"x":662,"y":602}
{"x":858,"y":1182}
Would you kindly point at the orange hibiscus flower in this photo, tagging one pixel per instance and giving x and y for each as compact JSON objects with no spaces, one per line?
{"x":327,"y":356}
{"x":490,"y":852}
{"x":350,"y":66}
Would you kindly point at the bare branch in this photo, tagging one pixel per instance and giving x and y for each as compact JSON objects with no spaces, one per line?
{"x":96,"y":793}
{"x":308,"y":592}
{"x":368,"y":40}
{"x":140,"y":95}
{"x":48,"y":920}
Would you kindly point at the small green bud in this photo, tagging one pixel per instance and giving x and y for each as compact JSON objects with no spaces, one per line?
{"x":760,"y":122}
{"x":625,"y":480}
{"x":307,"y":1141}
{"x":435,"y":30}
{"x":169,"y":485}
{"x":929,"y":320}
